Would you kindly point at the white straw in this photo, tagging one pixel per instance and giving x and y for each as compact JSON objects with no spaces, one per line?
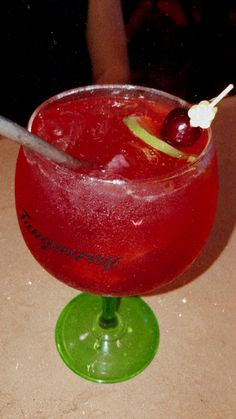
{"x":15,"y":132}
{"x":221,"y":95}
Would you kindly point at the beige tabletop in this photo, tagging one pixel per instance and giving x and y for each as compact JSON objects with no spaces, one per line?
{"x":193,"y":375}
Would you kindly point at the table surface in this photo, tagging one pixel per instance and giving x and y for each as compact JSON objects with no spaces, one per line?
{"x":194,"y":373}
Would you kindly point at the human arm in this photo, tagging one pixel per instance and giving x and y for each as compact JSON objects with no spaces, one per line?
{"x":107,"y":42}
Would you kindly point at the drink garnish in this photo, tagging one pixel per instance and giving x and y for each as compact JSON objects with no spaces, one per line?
{"x":202,"y":114}
{"x":184,"y":126}
{"x":176,"y":129}
{"x":132,"y":122}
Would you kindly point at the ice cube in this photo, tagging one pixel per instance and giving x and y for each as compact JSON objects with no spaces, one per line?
{"x":117,"y":163}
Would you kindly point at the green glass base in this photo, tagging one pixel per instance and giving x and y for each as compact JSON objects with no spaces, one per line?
{"x":107,"y":354}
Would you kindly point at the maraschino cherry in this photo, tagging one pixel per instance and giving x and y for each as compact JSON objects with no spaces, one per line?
{"x":176,"y":129}
{"x":183,"y":127}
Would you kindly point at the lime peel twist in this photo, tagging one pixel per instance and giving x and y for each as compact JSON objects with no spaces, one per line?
{"x":132,"y":123}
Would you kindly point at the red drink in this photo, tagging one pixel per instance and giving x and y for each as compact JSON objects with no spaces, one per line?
{"x":129,"y":225}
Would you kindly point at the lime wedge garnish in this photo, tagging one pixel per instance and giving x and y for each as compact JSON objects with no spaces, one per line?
{"x":132,"y":123}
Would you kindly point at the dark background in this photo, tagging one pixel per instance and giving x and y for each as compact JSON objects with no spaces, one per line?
{"x":185,"y":47}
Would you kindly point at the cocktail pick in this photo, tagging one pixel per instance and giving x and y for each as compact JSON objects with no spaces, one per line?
{"x":17,"y":133}
{"x":202,"y":114}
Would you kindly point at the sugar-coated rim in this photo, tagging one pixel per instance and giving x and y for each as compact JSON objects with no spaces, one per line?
{"x":118,"y":89}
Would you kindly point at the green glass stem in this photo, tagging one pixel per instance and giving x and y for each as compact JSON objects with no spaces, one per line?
{"x":107,"y":339}
{"x":108,"y":317}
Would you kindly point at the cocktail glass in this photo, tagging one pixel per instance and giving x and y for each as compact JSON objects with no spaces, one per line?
{"x":112,"y":237}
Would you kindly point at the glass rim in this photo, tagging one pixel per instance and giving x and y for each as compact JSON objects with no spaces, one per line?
{"x":119,"y":88}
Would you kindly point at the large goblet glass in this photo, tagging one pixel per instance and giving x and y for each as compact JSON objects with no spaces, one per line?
{"x":110,"y":229}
